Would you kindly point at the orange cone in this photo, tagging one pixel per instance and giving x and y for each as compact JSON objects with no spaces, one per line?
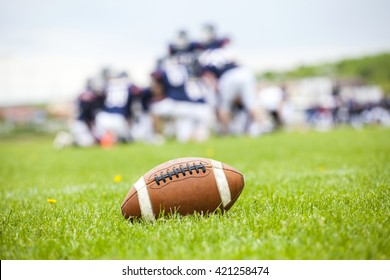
{"x":107,"y":141}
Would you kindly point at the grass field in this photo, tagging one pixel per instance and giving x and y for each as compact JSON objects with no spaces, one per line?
{"x":307,"y":196}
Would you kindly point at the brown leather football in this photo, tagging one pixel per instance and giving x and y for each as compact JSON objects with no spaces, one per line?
{"x":184,"y":186}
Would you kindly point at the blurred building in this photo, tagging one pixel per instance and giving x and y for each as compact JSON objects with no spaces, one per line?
{"x":35,"y":118}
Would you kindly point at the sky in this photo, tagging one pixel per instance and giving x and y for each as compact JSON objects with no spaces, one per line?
{"x":48,"y":48}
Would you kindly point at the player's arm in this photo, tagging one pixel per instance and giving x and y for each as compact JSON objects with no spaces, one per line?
{"x":157,"y":86}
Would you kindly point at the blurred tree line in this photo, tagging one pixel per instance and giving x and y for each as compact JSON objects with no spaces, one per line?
{"x":373,"y":69}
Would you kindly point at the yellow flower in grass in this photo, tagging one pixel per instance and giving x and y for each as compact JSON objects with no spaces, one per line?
{"x":322,"y":168}
{"x":117,"y":178}
{"x":51,"y":200}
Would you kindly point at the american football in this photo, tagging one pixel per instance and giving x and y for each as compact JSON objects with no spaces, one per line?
{"x":184,"y":186}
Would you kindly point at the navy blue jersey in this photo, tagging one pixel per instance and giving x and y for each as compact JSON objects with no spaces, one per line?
{"x":88,"y":105}
{"x":189,"y":48}
{"x":145,"y":97}
{"x":216,"y":61}
{"x":118,"y":97}
{"x":215,"y":44}
{"x":177,"y":84}
{"x":186,"y":55}
{"x":218,"y":71}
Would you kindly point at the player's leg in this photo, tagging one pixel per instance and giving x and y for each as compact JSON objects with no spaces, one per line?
{"x":184,"y":119}
{"x":228,"y":92}
{"x":257,"y":115}
{"x":203,"y":121}
{"x":82,"y":135}
{"x":102,"y":127}
{"x":121,"y":128}
{"x":142,"y":129}
{"x":160,"y":112}
{"x":114,"y":124}
{"x":184,"y":128}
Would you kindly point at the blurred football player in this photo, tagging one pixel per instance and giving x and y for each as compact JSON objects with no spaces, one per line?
{"x":273,"y":98}
{"x":210,"y":40}
{"x":185,"y":52}
{"x":141,"y":121}
{"x":234,"y":84}
{"x":89,"y":103}
{"x":114,"y":118}
{"x":181,"y":99}
{"x":182,"y":44}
